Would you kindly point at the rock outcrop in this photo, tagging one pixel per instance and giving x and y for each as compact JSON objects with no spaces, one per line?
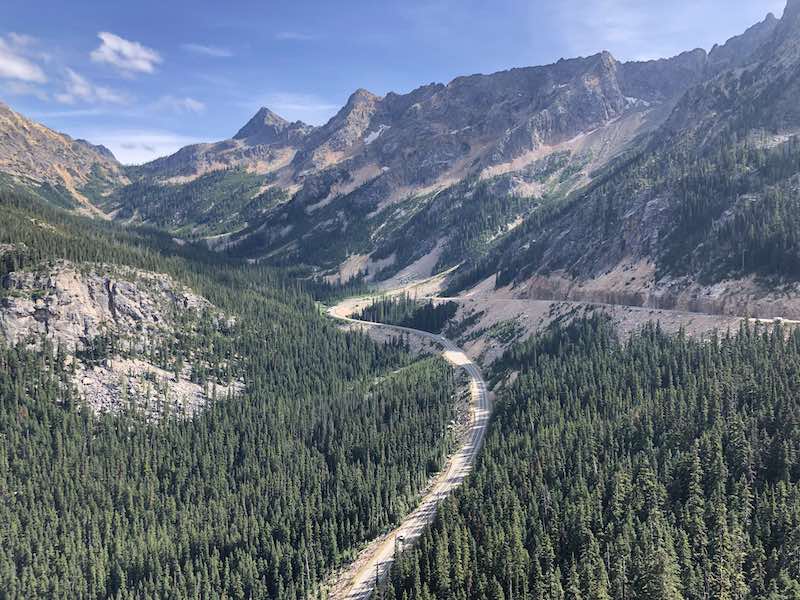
{"x":72,"y":306}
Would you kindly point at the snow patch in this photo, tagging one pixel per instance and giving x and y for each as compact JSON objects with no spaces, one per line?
{"x":631,"y":101}
{"x":375,"y":134}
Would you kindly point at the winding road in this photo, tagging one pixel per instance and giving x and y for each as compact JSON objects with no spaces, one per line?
{"x":358,"y":582}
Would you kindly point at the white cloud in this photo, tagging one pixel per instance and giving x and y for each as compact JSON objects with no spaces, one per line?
{"x":294,"y":36}
{"x":179,"y":105}
{"x":130,"y":57}
{"x":13,"y":65}
{"x":137,"y":146}
{"x":298,"y":107}
{"x":78,"y":88}
{"x":213,"y":51}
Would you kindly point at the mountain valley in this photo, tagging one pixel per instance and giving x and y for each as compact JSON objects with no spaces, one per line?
{"x":525,"y":335}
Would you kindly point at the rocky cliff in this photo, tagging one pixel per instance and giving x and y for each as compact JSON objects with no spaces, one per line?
{"x":700,"y":215}
{"x":133,"y":316}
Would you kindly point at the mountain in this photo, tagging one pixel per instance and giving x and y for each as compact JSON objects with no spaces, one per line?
{"x":72,"y":173}
{"x":181,"y":420}
{"x":462,"y":169}
{"x":452,"y":167}
{"x":700,"y":214}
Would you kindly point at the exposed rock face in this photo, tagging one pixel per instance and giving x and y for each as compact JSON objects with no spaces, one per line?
{"x":669,"y":227}
{"x":38,"y":155}
{"x":268,"y":128}
{"x":378,"y":152}
{"x":323,"y":195}
{"x":740,"y":49}
{"x":72,"y":307}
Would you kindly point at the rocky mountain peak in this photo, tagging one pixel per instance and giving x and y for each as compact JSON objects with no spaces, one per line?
{"x":740,"y":49}
{"x":267,"y":127}
{"x":791,"y":14}
{"x":787,"y":28}
{"x":346,"y":128}
{"x":606,"y":59}
{"x":782,"y":47}
{"x":32,"y":152}
{"x":362,"y":96}
{"x":269,"y":117}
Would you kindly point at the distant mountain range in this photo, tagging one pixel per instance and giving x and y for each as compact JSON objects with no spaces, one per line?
{"x":643,"y":182}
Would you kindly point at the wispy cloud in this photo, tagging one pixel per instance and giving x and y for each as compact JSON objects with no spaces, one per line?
{"x":14,"y":65}
{"x":12,"y":87}
{"x":295,"y":36}
{"x":213,"y":51}
{"x":22,"y":39}
{"x":137,"y":146}
{"x":71,"y":113}
{"x":635,"y":30}
{"x":128,"y":56}
{"x":179,"y":105}
{"x":79,"y":89}
{"x":297,"y":107}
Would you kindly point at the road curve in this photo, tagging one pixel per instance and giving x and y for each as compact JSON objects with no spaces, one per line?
{"x":359,"y":584}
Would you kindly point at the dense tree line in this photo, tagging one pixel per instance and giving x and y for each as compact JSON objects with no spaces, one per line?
{"x":329,"y":237}
{"x":729,"y":209}
{"x":736,"y":211}
{"x":658,"y":468}
{"x":260,"y":495}
{"x":406,"y":311}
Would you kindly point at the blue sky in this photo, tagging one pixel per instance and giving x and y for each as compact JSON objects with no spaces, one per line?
{"x":147,"y":77}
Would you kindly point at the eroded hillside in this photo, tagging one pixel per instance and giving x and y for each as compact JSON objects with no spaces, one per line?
{"x":70,"y":173}
{"x":135,"y":339}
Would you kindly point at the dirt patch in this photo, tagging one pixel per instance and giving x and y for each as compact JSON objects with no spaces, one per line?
{"x":486,"y":309}
{"x":418,"y":271}
{"x":359,"y":264}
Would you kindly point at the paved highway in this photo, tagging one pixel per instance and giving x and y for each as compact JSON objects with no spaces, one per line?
{"x":359,"y":582}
